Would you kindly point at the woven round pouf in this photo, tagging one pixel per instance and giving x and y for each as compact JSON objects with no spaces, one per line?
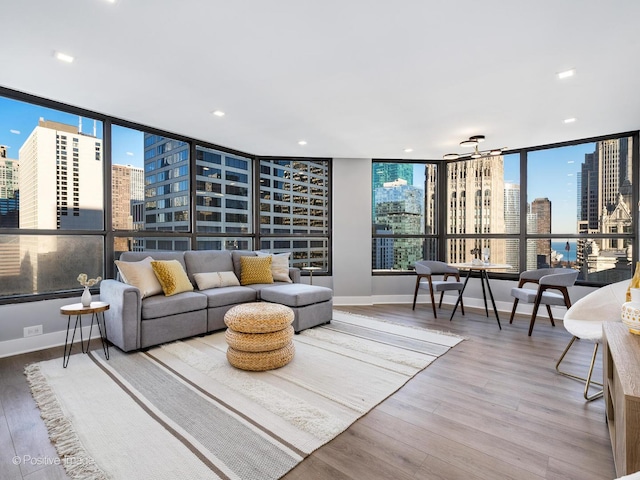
{"x":258,"y":317}
{"x":260,"y":361}
{"x":258,"y":342}
{"x":259,"y":336}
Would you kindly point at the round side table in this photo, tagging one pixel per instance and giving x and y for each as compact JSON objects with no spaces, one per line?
{"x":311,"y":270}
{"x":95,"y":309}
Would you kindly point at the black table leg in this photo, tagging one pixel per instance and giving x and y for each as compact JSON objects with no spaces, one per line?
{"x":484,"y":293}
{"x":495,"y":310}
{"x":67,"y":353}
{"x":460,"y":295}
{"x":103,"y":336}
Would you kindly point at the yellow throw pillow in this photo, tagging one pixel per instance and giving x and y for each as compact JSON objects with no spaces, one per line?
{"x":140,"y":275}
{"x":171,"y":276}
{"x":255,"y":270}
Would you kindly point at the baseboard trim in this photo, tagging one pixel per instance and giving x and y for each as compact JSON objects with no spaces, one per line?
{"x":18,"y":346}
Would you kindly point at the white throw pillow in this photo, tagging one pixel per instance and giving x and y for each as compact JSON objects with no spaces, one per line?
{"x":141,"y":275}
{"x":279,"y":266}
{"x":216,"y":280}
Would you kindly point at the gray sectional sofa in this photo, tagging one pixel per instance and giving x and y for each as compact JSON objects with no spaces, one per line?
{"x":134,"y":322}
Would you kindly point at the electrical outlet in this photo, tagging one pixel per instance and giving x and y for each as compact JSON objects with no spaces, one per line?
{"x":33,"y":331}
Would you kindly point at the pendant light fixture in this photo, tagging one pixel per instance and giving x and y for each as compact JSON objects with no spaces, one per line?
{"x":474,"y":141}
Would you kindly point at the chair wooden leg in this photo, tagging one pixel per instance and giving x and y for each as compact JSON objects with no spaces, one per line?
{"x":588,"y":381}
{"x":536,"y":305}
{"x":550,"y":316}
{"x":433,"y":303}
{"x":461,"y":306}
{"x":440,"y":302}
{"x":513,"y":310}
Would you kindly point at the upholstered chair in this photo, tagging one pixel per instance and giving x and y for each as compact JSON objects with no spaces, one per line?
{"x":436,"y":276}
{"x":547,"y":280}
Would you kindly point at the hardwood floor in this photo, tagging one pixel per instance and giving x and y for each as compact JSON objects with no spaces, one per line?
{"x":491,"y":408}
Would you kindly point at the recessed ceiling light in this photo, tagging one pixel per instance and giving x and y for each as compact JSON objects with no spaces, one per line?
{"x":218,"y":113}
{"x":302,"y":142}
{"x":569,"y":120}
{"x":408,"y":150}
{"x":63,"y":57}
{"x":566,"y":74}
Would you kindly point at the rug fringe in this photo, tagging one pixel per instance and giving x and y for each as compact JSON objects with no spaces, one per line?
{"x":77,"y":463}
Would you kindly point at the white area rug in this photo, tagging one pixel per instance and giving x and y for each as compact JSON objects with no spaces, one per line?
{"x":181,"y":411}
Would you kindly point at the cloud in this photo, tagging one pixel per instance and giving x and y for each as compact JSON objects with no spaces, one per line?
{"x":130,"y":154}
{"x":15,"y":132}
{"x":571,"y":161}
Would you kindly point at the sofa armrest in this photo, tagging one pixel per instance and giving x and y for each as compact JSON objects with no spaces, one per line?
{"x":294,"y":274}
{"x":124,"y":314}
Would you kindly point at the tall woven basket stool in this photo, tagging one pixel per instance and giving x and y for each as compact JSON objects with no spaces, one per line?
{"x":260,"y":336}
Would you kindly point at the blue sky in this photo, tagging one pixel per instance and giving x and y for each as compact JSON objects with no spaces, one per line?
{"x":18,"y":119}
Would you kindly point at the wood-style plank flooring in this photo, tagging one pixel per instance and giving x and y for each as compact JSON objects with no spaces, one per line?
{"x":491,"y":408}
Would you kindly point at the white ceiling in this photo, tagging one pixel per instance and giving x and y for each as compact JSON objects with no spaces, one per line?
{"x":354,"y":78}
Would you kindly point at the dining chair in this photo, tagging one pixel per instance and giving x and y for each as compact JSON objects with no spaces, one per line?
{"x":547,"y":279}
{"x":584,"y":321}
{"x":450,"y":281}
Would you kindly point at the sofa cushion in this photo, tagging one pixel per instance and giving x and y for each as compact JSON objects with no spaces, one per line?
{"x":221,"y":297}
{"x":236,"y":255}
{"x":161,"y":306}
{"x":208,"y":280}
{"x":171,"y":276}
{"x":140,"y":274}
{"x":255,"y":270}
{"x":203,"y":261}
{"x":279,"y":265}
{"x":258,"y":287}
{"x":296,"y":294}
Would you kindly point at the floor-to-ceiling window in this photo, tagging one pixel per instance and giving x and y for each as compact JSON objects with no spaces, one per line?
{"x":294,"y":210}
{"x":403,"y":212}
{"x":77,"y":188}
{"x":483,"y":210}
{"x":51,"y":198}
{"x":580,"y":209}
{"x":567,"y":206}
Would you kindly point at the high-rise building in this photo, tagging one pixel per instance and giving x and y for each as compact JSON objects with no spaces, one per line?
{"x":294,"y":200}
{"x":512,"y":222}
{"x":540,"y":210}
{"x":8,"y":174}
{"x":60,"y":179}
{"x":127,"y":182}
{"x":589,"y":198}
{"x":399,"y":209}
{"x":606,"y":207}
{"x":388,"y":172}
{"x":9,"y":215}
{"x":614,"y":157}
{"x":476,"y":206}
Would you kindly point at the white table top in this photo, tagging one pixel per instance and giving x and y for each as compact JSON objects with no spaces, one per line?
{"x":481,"y":266}
{"x":77,"y":308}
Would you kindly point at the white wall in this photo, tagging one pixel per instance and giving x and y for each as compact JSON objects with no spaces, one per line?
{"x":352,"y":281}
